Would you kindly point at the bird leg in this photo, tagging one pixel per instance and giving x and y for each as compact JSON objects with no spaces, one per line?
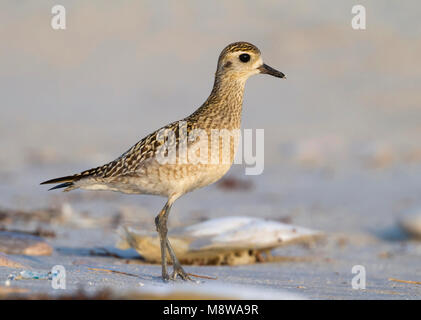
{"x":161,"y":227}
{"x":177,"y":268}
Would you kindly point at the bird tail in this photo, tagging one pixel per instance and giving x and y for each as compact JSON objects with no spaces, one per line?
{"x":64,"y":182}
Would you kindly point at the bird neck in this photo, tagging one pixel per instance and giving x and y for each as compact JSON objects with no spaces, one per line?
{"x":223,"y":107}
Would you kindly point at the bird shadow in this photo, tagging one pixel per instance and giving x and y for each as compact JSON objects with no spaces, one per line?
{"x":111,"y":252}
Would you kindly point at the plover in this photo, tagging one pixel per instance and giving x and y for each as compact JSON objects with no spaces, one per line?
{"x":140,"y":170}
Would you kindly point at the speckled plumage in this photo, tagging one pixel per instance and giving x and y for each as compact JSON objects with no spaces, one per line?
{"x":138,"y":171}
{"x":222,"y":110}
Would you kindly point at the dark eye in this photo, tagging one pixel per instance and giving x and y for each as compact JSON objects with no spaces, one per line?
{"x":244,"y":57}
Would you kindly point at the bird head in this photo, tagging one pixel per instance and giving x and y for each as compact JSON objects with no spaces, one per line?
{"x":240,"y":60}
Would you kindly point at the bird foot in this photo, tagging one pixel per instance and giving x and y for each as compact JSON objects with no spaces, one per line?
{"x":165,"y":277}
{"x":179,"y":271}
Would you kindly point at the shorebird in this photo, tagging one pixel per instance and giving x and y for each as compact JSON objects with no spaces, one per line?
{"x":140,"y":170}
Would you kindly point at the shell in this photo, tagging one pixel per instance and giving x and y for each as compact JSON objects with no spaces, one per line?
{"x":227,"y":240}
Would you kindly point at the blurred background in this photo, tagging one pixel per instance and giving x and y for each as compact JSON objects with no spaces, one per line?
{"x":342,"y":134}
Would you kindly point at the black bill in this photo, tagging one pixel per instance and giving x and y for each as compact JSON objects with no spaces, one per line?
{"x":264,"y":68}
